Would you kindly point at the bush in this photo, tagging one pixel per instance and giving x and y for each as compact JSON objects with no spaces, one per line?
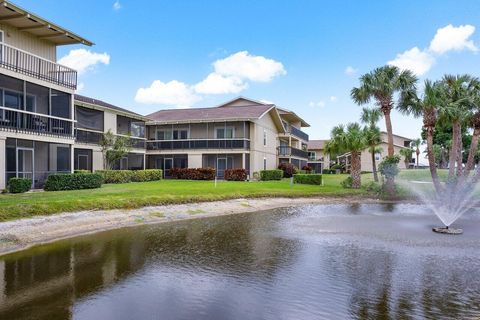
{"x":193,"y":173}
{"x":19,"y":185}
{"x":266,"y":175}
{"x":347,"y":183}
{"x":308,"y":178}
{"x":82,"y":171}
{"x":326,"y":171}
{"x":147,"y":175}
{"x":373,"y":187}
{"x":236,"y":174}
{"x":288,"y":169}
{"x":389,"y":166}
{"x":73,"y":181}
{"x":116,"y":176}
{"x":307,"y":168}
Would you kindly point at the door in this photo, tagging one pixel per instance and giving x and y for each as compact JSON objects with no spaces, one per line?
{"x":25,"y":164}
{"x":83,"y":162}
{"x":167,"y":165}
{"x":221,"y":166}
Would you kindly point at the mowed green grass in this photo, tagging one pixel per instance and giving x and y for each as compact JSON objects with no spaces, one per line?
{"x":135,"y":195}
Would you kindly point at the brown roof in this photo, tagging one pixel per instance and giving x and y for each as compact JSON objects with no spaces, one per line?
{"x":316,"y":144}
{"x":214,"y":113}
{"x":105,"y":105}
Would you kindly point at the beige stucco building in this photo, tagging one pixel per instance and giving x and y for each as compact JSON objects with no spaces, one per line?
{"x":317,"y":158}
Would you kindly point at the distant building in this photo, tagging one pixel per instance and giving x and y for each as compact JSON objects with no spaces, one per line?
{"x":317,"y":158}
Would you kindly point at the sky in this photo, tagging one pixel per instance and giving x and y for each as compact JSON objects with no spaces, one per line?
{"x":305,"y":56}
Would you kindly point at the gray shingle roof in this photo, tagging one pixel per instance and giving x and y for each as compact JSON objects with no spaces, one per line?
{"x":104,"y":104}
{"x":214,"y":113}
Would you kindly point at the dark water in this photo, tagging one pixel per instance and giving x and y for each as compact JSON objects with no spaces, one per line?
{"x":313,"y":262}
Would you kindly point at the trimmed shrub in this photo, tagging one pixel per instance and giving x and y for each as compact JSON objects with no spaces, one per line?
{"x":193,"y":173}
{"x":313,"y":178}
{"x":19,"y":185}
{"x":236,"y":174}
{"x":347,"y":183}
{"x":116,"y":176}
{"x":288,"y":169}
{"x":147,"y":175}
{"x":73,"y":181}
{"x":266,"y":175}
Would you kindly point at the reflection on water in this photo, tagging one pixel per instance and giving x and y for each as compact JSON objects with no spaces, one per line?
{"x":363,"y":261}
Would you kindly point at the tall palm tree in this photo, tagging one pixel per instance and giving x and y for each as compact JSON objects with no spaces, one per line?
{"x":416,"y":145}
{"x":351,"y":139}
{"x":427,"y":106}
{"x":474,"y":123}
{"x":381,"y":85}
{"x":370,"y":117}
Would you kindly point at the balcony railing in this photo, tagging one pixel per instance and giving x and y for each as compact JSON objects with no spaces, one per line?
{"x":88,"y":137}
{"x":198,"y":144}
{"x":26,"y":63}
{"x":287,"y":151}
{"x":298,"y":133}
{"x":138,"y":143}
{"x":30,"y":122}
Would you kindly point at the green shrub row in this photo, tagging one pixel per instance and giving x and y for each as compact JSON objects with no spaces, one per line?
{"x":266,"y":175}
{"x":19,"y":185}
{"x":73,"y":181}
{"x":329,"y":171}
{"x":313,"y":178}
{"x":126,"y":176}
{"x":193,"y":173}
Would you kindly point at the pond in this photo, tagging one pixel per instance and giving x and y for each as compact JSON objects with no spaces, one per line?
{"x":360,"y":261}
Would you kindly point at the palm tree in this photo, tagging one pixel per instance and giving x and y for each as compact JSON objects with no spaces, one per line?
{"x":351,"y":138}
{"x":381,"y":85}
{"x":407,"y":156}
{"x":370,"y":117}
{"x":416,"y":145}
{"x":426,"y":106}
{"x":474,"y":123}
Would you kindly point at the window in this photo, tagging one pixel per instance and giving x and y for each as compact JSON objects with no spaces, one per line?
{"x":13,"y":99}
{"x":264,"y":163}
{"x":312,"y":155}
{"x":377,"y":156}
{"x":129,"y":126}
{"x":164,"y":135}
{"x":180,"y":134}
{"x":89,"y":118}
{"x":264,"y":137}
{"x":60,"y":104}
{"x":224,"y":133}
{"x":137,"y":129}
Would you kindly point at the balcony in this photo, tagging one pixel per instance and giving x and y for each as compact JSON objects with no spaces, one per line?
{"x":29,"y":122}
{"x":95,"y":137}
{"x":31,"y":65}
{"x":286,"y":151}
{"x":243,"y":144}
{"x":298,"y":133}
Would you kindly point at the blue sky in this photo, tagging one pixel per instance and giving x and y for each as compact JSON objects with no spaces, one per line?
{"x":298,"y":51}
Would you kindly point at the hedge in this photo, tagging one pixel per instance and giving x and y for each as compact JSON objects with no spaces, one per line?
{"x":236,"y":174}
{"x":266,"y":175}
{"x":126,"y":176}
{"x":73,"y":181}
{"x":193,"y":173}
{"x":19,"y":185}
{"x":313,"y":178}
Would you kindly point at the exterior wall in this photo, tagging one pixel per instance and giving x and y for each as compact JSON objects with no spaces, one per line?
{"x":194,"y":160}
{"x":27,"y":42}
{"x":366,"y":157}
{"x":110,"y":122}
{"x":202,"y":130}
{"x":259,"y":151}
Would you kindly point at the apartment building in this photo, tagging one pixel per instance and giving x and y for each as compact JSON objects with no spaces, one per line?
{"x":241,"y":133}
{"x":36,"y":97}
{"x":399,"y":143}
{"x":317,"y":158}
{"x":94,"y":118}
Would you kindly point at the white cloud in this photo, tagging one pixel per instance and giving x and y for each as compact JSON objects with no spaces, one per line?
{"x":453,"y":38}
{"x":84,"y":60}
{"x":319,"y":104}
{"x":415,"y":60}
{"x":333,"y":99}
{"x":117,"y":5}
{"x":249,"y":67}
{"x":350,"y":71}
{"x":174,"y":93}
{"x":448,"y":38}
{"x":216,"y":83}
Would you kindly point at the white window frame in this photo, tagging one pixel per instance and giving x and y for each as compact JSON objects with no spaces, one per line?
{"x":314,"y":153}
{"x":224,"y":132}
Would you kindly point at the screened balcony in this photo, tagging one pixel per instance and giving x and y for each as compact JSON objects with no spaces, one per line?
{"x":286,"y":151}
{"x":20,"y":61}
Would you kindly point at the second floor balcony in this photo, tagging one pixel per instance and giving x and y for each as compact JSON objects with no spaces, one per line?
{"x":23,"y":62}
{"x":286,"y":151}
{"x":186,"y":144}
{"x":295,"y":131}
{"x":95,"y":137}
{"x":34,"y":123}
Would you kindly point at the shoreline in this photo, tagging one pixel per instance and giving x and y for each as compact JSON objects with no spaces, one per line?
{"x":22,"y":234}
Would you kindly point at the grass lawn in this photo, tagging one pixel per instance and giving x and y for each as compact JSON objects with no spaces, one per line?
{"x":134,"y":195}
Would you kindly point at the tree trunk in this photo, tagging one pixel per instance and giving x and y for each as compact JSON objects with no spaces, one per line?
{"x":355,"y":170}
{"x":374,"y":165}
{"x":388,"y":125}
{"x":418,"y":153}
{"x":453,"y":150}
{"x":431,"y":160}
{"x":459,"y":151}
{"x":473,"y":150}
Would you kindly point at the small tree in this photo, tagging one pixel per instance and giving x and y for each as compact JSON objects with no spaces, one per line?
{"x":415,"y":144}
{"x":407,"y":156}
{"x":114,"y":148}
{"x":370,"y":117}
